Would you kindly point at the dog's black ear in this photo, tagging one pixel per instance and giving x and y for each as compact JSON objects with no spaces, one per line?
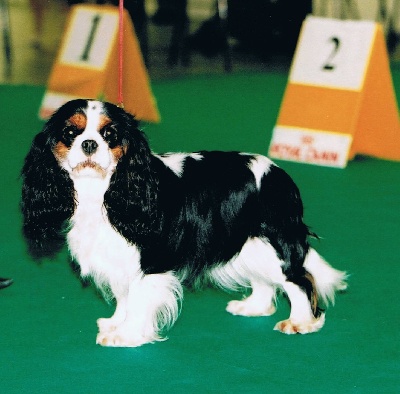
{"x":131,"y":199}
{"x":47,"y":196}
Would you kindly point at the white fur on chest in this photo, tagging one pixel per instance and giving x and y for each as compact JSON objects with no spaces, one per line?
{"x":101,"y":252}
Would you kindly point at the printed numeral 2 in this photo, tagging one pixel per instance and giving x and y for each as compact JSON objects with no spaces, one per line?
{"x":328,"y":65}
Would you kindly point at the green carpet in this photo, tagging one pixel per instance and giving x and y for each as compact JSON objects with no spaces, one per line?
{"x":47,"y":323}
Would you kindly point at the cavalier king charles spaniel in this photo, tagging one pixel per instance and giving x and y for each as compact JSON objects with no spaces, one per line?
{"x":143,"y":225}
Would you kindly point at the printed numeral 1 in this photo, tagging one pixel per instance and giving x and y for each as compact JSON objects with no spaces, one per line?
{"x":95,"y":24}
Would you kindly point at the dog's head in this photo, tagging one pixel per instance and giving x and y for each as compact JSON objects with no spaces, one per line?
{"x":84,"y":139}
{"x":91,"y":137}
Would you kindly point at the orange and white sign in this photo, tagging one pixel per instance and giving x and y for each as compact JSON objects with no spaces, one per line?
{"x":87,"y":64}
{"x":339,"y":100}
{"x":329,"y":149}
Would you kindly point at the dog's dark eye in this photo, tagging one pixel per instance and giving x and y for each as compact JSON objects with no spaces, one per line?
{"x":109,"y":133}
{"x":69,"y":133}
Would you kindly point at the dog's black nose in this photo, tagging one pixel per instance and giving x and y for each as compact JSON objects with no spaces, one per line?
{"x":89,"y":147}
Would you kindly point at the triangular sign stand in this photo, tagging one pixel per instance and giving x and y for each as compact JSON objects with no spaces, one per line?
{"x":377,"y":132}
{"x":87,"y":64}
{"x":340,"y":100}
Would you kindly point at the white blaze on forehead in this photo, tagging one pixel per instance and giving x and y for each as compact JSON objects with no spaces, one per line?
{"x":93,"y":118}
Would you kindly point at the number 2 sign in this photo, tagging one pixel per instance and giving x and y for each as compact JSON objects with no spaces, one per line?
{"x":87,"y":64}
{"x":333,"y":56}
{"x":339,"y":100}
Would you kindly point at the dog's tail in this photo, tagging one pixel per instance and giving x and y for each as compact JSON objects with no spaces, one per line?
{"x":327,"y":279}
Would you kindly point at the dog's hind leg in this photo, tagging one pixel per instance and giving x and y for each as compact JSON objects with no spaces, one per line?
{"x":257,"y":266}
{"x":318,"y":282}
{"x":261,"y":302}
{"x":302,"y":320}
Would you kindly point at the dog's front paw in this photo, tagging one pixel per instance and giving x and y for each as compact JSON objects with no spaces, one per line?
{"x":106,"y":325}
{"x":118,"y":338}
{"x":289,"y":327}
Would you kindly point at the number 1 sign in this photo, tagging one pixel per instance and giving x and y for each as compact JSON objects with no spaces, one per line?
{"x":87,"y":64}
{"x":339,"y":100}
{"x":90,"y":39}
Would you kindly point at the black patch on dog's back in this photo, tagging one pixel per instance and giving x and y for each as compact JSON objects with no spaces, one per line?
{"x":207,"y":213}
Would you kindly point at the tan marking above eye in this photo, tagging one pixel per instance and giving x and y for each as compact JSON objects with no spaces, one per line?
{"x":78,"y":120}
{"x":104,"y":121}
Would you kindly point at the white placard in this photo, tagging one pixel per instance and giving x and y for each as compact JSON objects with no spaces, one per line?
{"x":333,"y":53}
{"x":90,"y":39}
{"x":51,"y":101}
{"x":308,"y":146}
